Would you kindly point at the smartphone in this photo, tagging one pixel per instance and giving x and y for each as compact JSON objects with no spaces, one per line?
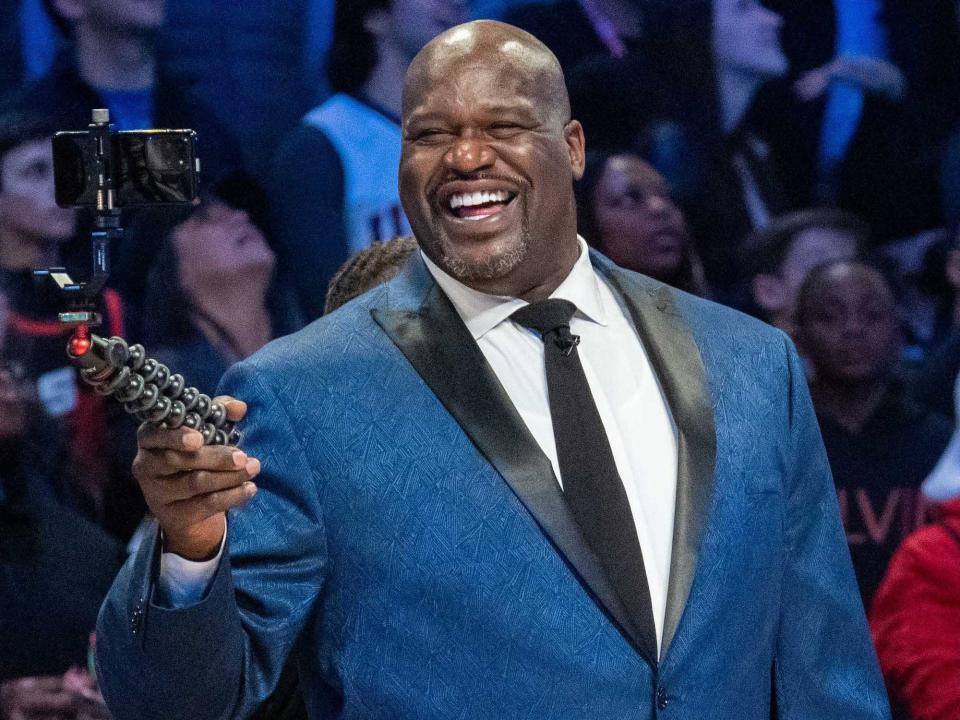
{"x":150,"y":167}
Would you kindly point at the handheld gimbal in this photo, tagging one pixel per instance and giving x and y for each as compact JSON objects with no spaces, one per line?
{"x":147,"y":388}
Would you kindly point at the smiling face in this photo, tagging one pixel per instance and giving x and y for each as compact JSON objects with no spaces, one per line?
{"x":489,"y":158}
{"x":639,"y":226}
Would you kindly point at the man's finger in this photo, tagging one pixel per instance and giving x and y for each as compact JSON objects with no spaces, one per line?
{"x":218,"y":502}
{"x":169,"y":464}
{"x":236,"y":409}
{"x":194,"y":484}
{"x":154,"y":437}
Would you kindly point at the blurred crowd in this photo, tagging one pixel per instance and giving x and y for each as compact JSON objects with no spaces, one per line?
{"x":799,"y":161}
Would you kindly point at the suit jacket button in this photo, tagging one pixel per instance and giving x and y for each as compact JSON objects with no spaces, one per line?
{"x":662,"y":699}
{"x":136,"y":618}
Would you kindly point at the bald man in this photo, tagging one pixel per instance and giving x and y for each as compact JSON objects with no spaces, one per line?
{"x":515,"y":481}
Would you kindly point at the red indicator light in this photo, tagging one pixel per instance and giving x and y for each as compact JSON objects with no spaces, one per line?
{"x":79,"y":345}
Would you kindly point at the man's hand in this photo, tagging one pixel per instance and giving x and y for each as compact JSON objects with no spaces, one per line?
{"x":189,"y":486}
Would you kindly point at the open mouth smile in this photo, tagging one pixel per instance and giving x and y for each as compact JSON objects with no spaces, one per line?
{"x":476,"y":199}
{"x":478,"y":205}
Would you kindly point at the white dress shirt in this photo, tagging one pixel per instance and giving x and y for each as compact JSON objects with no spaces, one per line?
{"x":631,"y":403}
{"x":632,"y":406}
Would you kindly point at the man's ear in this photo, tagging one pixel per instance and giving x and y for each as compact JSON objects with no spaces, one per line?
{"x":577,"y":146}
{"x":69,"y":10}
{"x":768,"y":292}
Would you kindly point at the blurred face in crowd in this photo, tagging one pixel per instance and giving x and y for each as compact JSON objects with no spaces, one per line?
{"x":811,"y":247}
{"x":27,"y":207}
{"x":413,"y":23}
{"x":639,"y":226}
{"x":123,"y":16}
{"x":219,"y":244}
{"x":776,"y":294}
{"x":746,"y":38}
{"x":847,"y":324}
{"x":489,"y":158}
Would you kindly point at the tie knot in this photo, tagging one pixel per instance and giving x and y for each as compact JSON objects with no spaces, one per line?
{"x":550,"y":318}
{"x":545,"y":316}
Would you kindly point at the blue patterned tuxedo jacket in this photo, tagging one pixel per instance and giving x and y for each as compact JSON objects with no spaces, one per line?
{"x":412,"y":549}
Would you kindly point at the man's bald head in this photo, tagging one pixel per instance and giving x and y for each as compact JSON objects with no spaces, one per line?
{"x":488,"y":43}
{"x":489,"y":157}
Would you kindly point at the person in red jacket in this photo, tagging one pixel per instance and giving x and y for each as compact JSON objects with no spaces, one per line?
{"x":915,"y":616}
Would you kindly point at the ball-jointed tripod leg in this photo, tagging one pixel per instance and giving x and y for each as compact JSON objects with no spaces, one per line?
{"x":147,"y":388}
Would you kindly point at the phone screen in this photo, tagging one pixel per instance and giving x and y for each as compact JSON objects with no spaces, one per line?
{"x":151,"y":167}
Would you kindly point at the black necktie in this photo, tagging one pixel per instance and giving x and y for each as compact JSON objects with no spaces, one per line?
{"x":591,"y":483}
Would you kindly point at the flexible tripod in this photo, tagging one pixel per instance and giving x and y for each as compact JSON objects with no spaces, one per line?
{"x":147,"y":388}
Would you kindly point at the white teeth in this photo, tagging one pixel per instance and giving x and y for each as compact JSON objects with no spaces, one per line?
{"x":477,"y":198}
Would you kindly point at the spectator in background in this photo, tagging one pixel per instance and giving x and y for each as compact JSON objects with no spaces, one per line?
{"x":575,"y":30}
{"x":626,"y":212}
{"x":55,"y":570}
{"x":601,"y":47}
{"x":210,"y":296}
{"x":72,"y":696}
{"x":708,"y":64}
{"x":368,"y":268}
{"x":251,"y":62}
{"x":880,"y":447}
{"x":876,"y":90}
{"x":778,"y":258}
{"x":110,"y":61}
{"x":334,"y":186}
{"x":30,"y":42}
{"x":90,"y":441}
{"x":942,"y":362}
{"x":915,"y":617}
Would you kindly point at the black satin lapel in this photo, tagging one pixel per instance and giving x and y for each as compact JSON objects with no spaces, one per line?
{"x":442,"y":351}
{"x":679,"y":366}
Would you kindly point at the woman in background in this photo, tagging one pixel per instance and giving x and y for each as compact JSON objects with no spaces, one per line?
{"x":626,"y":212}
{"x":211,"y":297}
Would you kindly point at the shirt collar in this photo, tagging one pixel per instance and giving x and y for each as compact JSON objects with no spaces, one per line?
{"x":481,"y":312}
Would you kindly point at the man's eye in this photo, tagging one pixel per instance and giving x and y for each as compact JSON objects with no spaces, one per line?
{"x":430,"y":135}
{"x":504,"y":130}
